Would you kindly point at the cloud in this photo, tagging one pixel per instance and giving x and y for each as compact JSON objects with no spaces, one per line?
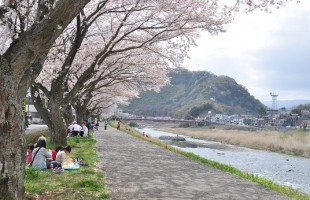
{"x":264,"y":52}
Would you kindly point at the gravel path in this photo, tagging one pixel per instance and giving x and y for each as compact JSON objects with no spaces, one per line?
{"x":136,"y":169}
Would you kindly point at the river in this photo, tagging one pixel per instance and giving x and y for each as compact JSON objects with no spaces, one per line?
{"x":287,"y":170}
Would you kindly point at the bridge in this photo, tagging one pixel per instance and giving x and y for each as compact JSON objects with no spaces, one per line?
{"x":164,"y":120}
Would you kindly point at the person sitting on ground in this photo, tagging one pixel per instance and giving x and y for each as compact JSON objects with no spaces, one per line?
{"x":95,"y":121}
{"x":69,"y":129}
{"x":92,"y":126}
{"x":76,"y":128}
{"x":84,"y":129}
{"x":30,"y":148}
{"x":95,"y":124}
{"x":61,"y":156}
{"x":88,"y":124}
{"x":55,"y":151}
{"x":41,"y":138}
{"x":40,"y":155}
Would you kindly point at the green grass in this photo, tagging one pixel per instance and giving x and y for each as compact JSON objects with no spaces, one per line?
{"x":288,"y":191}
{"x":85,"y":183}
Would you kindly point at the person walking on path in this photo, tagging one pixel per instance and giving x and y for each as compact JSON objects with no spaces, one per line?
{"x":118,"y":126}
{"x":105,"y":125}
{"x":136,"y":169}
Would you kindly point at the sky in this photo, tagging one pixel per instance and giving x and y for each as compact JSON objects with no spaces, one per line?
{"x":265,"y":52}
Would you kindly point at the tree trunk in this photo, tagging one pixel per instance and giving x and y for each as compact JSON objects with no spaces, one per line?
{"x":12,"y":141}
{"x":80,"y":112}
{"x":53,"y":115}
{"x":41,"y":108}
{"x":59,"y":128}
{"x":69,"y":118}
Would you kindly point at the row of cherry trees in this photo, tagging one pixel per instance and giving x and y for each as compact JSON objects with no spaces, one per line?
{"x":28,"y":31}
{"x":125,"y":44}
{"x":90,"y":54}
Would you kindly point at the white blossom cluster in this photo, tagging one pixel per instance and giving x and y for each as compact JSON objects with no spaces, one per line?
{"x":128,"y":42}
{"x":17,"y":16}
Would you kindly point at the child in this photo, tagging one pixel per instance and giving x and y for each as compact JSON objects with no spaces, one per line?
{"x":61,"y":157}
{"x":55,"y":151}
{"x":30,"y":148}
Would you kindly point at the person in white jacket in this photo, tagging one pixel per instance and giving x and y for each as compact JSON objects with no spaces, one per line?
{"x":76,"y":129}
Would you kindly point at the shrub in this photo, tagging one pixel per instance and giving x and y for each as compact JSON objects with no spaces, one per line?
{"x":184,"y":125}
{"x":201,"y":123}
{"x":133,"y":124}
{"x":33,"y":137}
{"x":211,"y":126}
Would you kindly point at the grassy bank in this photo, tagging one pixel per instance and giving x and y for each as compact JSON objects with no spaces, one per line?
{"x":288,"y":191}
{"x":292,"y":142}
{"x":84,"y":183}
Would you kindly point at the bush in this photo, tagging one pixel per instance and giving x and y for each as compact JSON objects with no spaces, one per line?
{"x":211,"y":126}
{"x":33,"y":137}
{"x":133,"y":124}
{"x":201,"y":123}
{"x":184,"y":125}
{"x":197,"y":110}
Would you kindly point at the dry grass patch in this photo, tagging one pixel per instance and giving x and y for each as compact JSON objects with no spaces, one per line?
{"x":293,"y":142}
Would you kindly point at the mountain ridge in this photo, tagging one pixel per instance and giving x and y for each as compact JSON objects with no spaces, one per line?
{"x":195,"y":93}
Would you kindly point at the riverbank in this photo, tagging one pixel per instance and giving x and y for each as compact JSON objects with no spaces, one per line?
{"x":293,"y":142}
{"x":136,"y":169}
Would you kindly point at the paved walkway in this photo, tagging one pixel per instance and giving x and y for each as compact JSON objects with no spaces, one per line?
{"x":136,"y":169}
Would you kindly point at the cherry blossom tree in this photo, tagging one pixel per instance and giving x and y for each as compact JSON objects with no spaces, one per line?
{"x":104,"y":100}
{"x":29,"y":29}
{"x":130,"y":74}
{"x":151,"y":35}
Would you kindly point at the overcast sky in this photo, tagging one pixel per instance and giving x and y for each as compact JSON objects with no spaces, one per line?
{"x":263,"y":52}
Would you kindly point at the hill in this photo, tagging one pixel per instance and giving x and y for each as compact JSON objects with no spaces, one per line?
{"x":191,"y":94}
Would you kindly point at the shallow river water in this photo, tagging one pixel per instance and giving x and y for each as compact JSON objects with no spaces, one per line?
{"x":287,"y":170}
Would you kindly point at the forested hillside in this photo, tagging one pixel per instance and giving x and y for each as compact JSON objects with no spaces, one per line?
{"x":193,"y":94}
